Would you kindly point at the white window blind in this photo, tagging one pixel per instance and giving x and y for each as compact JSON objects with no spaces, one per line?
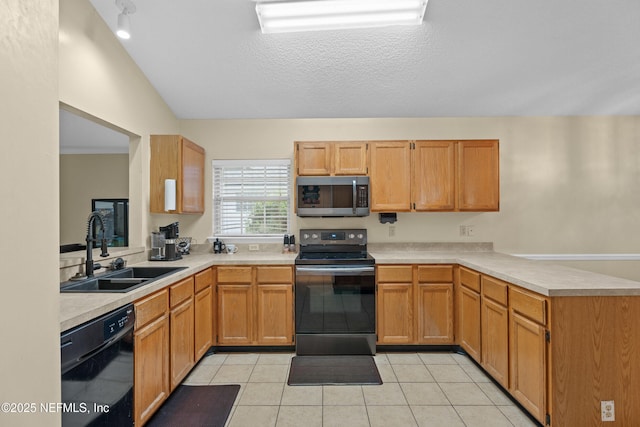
{"x":251,"y":197}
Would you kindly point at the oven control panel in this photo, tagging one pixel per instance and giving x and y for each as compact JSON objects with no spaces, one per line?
{"x":355,"y":236}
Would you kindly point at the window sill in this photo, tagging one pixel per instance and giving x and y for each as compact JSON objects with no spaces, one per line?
{"x":248,"y":239}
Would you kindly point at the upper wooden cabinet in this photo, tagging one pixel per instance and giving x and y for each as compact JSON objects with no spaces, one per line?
{"x":434,"y":176}
{"x":433,"y":185}
{"x":175,"y":157}
{"x":390,"y":176}
{"x":331,"y":158}
{"x":478,"y":176}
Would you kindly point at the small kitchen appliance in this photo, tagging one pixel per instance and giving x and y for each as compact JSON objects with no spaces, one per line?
{"x":164,"y":244}
{"x":171,"y":233}
{"x":157,"y":246}
{"x":332,"y":196}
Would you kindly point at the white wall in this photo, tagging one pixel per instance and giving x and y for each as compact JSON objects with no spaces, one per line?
{"x":29,"y":326}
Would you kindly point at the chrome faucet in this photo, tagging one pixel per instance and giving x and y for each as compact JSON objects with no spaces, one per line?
{"x":89,"y":266}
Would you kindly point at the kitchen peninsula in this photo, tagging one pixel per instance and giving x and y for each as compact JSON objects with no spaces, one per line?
{"x":559,"y":340}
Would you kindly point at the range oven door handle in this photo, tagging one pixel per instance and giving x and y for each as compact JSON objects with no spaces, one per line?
{"x":341,"y":271}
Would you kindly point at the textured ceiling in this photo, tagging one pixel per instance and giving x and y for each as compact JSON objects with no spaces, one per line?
{"x":208,"y":59}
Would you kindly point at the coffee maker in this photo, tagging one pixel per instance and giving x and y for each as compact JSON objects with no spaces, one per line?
{"x":165,"y":251}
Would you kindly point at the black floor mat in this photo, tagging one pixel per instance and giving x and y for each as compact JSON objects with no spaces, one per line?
{"x":204,"y":406}
{"x":333,"y":370}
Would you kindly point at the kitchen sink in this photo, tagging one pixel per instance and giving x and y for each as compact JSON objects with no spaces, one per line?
{"x":144,"y":272}
{"x":119,"y":281}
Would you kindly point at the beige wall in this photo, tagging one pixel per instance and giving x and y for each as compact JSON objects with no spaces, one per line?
{"x":568,"y":185}
{"x":99,"y":78}
{"x":30,"y":355}
{"x":84,"y":177}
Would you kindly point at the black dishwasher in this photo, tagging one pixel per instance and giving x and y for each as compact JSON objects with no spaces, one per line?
{"x":97,"y":371}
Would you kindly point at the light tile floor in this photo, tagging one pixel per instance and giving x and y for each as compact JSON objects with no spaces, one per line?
{"x":420,"y":389}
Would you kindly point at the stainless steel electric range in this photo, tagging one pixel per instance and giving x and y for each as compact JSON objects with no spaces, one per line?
{"x":335,"y":301}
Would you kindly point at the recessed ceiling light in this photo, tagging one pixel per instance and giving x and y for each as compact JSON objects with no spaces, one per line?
{"x":314,"y":15}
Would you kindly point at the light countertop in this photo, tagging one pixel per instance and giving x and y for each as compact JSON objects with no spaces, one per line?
{"x":538,"y":276}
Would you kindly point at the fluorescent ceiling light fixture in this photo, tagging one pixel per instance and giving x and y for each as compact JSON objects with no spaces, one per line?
{"x":124,"y":24}
{"x":314,"y":15}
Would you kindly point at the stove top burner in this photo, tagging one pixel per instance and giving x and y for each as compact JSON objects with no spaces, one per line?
{"x":335,"y":258}
{"x":343,"y":246}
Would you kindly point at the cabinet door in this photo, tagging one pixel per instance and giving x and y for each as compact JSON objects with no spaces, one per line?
{"x":314,"y":158}
{"x":350,"y":158}
{"x":469,"y":322}
{"x":527,"y":346}
{"x":478,"y":176}
{"x":191,"y":193}
{"x":235,"y":314}
{"x":203,"y":305}
{"x":435,"y":313}
{"x":395,"y":313}
{"x":182,"y":345}
{"x":175,"y":157}
{"x":390,"y":176}
{"x":275,"y":314}
{"x":495,"y":340}
{"x":433,"y":186}
{"x":151,"y":372}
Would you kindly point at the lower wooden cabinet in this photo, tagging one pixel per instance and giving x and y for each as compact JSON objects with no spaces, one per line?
{"x":173,"y":330}
{"x":235,"y":313}
{"x":469,"y":309}
{"x":415,"y":304}
{"x":504,"y":328}
{"x":151,"y":355}
{"x":274,"y":319}
{"x":204,"y":311}
{"x":434,"y":304}
{"x":495,"y":329}
{"x":255,"y":305}
{"x":528,"y":351}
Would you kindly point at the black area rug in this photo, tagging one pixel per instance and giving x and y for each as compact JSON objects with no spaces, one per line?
{"x":203,"y":406}
{"x":333,"y":370}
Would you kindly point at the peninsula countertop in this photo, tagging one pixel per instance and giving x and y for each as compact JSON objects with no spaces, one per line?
{"x":544,"y":278}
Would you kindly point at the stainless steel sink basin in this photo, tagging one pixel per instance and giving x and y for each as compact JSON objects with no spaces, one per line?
{"x":119,"y":281}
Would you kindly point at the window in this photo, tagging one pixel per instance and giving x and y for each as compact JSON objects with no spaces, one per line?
{"x":251,"y":198}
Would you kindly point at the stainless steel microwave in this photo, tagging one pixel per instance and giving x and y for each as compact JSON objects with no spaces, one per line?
{"x":332,"y":195}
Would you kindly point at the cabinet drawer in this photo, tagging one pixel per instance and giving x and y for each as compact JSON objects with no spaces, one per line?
{"x":274,"y":275}
{"x":151,"y":308}
{"x":495,"y":289}
{"x":470,"y":279}
{"x":181,"y":291}
{"x":435,"y":274}
{"x":395,"y":274}
{"x":234,"y":275}
{"x":203,"y":279}
{"x":529,"y":305}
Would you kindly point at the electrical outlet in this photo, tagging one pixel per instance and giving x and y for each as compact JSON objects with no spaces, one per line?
{"x":253,"y":248}
{"x":608,"y":410}
{"x":467,"y":230}
{"x":392,"y":230}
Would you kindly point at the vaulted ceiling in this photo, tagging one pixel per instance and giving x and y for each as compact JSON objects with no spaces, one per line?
{"x":208,"y":59}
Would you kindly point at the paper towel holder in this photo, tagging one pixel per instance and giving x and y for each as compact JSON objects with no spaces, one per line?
{"x":169,"y":195}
